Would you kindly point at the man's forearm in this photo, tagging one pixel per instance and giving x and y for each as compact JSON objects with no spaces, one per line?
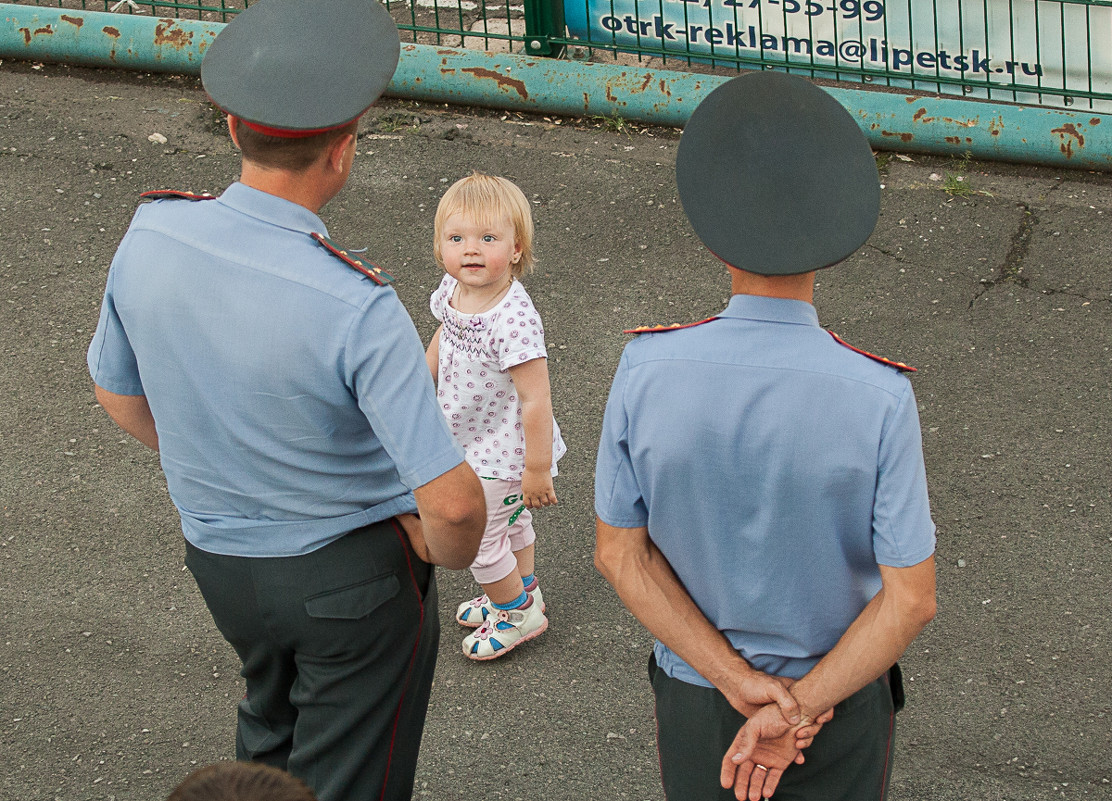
{"x":649,"y":588}
{"x":453,"y":516}
{"x":874,"y":641}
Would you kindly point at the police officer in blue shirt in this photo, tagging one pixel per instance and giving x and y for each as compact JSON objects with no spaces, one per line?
{"x":286,"y":390}
{"x":760,"y":487}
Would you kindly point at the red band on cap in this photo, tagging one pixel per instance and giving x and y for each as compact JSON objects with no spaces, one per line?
{"x":287,"y":134}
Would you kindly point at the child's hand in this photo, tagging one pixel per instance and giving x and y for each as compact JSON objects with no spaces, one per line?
{"x":536,"y":489}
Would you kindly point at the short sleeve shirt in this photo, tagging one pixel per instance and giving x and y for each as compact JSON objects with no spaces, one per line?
{"x":474,"y":387}
{"x":774,"y":468}
{"x":290,"y":393}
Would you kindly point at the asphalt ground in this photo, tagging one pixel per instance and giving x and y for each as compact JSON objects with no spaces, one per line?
{"x":114,"y":681}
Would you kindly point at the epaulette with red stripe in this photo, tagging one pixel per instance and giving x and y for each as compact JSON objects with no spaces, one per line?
{"x":659,"y":329}
{"x":372,"y":271}
{"x":161,"y":194}
{"x":898,"y":365}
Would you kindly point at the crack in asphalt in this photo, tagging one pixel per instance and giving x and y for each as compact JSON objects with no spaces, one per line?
{"x":1011,"y":268}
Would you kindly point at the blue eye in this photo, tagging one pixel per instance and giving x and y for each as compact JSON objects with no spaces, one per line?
{"x":488,"y":238}
{"x":455,"y":238}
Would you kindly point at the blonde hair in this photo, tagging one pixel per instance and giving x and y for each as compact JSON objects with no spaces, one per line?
{"x":488,"y":199}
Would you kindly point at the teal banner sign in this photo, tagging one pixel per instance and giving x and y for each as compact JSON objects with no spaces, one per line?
{"x":987,"y":48}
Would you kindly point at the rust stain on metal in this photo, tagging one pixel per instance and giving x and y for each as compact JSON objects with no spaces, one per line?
{"x":664,"y":90}
{"x":645,"y":83}
{"x":167,"y":33}
{"x":111,"y":31}
{"x":77,"y":22}
{"x":29,"y":34}
{"x":501,"y":80}
{"x":905,"y":137}
{"x":610,"y":96}
{"x":921,"y":116}
{"x":1069,"y":135}
{"x":1095,"y":121}
{"x":440,"y":52}
{"x":953,"y":140}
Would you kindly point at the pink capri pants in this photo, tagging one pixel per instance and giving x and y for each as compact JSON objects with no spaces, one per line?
{"x":509,"y":528}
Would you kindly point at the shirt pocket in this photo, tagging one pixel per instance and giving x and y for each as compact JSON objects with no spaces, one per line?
{"x":355,"y":601}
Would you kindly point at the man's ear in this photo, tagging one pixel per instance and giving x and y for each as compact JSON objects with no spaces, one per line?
{"x":338,"y":150}
{"x":233,"y":130}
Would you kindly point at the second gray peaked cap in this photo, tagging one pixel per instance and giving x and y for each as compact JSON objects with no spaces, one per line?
{"x":776,"y":177}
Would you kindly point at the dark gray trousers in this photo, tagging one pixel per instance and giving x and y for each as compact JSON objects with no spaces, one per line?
{"x":850,"y":759}
{"x":338,"y":650}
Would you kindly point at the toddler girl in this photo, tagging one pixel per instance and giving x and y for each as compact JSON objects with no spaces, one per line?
{"x":490,"y":365}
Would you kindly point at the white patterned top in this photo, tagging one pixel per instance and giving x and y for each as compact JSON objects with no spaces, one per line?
{"x":474,"y":386}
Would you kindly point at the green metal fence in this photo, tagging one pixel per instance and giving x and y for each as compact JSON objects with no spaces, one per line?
{"x":452,"y":23}
{"x":1052,"y":53}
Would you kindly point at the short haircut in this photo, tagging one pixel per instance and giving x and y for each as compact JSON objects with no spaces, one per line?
{"x":295,"y":154}
{"x":487,"y":199}
{"x":241,"y":781}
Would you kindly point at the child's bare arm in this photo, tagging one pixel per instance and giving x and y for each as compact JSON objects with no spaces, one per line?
{"x":532,"y":387}
{"x":432,"y":354}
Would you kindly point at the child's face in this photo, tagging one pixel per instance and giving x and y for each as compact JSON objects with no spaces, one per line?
{"x":478,"y":256}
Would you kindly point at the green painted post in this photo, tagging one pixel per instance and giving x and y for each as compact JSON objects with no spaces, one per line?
{"x":544,"y":21}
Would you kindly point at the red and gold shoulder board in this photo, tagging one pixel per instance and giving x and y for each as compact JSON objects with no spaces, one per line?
{"x":898,"y":365}
{"x":160,"y":194}
{"x":372,"y":271}
{"x":659,"y":329}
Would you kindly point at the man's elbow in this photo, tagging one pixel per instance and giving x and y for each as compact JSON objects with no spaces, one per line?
{"x":458,"y":533}
{"x":919,"y":612}
{"x":465,"y":514}
{"x":606,"y":559}
{"x":927,"y":608}
{"x":610,"y":552}
{"x":600,"y":562}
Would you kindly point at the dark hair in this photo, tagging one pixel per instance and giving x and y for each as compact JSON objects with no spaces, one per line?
{"x":288,"y":153}
{"x":241,"y":781}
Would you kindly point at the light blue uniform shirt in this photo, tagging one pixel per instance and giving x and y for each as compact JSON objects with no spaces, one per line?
{"x":774,"y":468}
{"x":290,"y":393}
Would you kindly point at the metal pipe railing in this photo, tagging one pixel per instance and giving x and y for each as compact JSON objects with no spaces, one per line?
{"x":892,"y":121}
